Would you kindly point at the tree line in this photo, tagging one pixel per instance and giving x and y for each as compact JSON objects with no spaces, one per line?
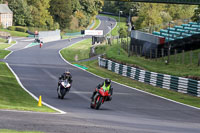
{"x":54,"y":14}
{"x":151,"y":14}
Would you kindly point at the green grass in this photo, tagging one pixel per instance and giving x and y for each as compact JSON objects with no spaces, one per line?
{"x":3,"y":40}
{"x":15,"y":33}
{"x":159,"y":66}
{"x":97,"y":22}
{"x":14,"y":131}
{"x":80,"y":50}
{"x":4,"y":53}
{"x":13,"y":97}
{"x":94,"y":68}
{"x":122,"y":23}
{"x":5,"y":45}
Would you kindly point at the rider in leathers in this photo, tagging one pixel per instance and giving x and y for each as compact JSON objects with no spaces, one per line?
{"x":107,"y":87}
{"x":66,"y":75}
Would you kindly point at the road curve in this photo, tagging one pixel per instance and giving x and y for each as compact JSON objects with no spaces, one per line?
{"x":130,"y":110}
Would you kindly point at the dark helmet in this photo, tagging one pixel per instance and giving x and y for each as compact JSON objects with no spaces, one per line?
{"x":67,"y":72}
{"x":107,"y":82}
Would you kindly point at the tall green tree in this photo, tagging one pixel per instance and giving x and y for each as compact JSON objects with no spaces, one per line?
{"x":21,"y":12}
{"x":40,"y":13}
{"x":196,"y":16}
{"x":149,"y":15}
{"x":87,"y":10}
{"x":61,"y":12}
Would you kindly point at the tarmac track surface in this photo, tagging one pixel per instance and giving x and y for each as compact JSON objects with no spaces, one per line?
{"x":130,"y":110}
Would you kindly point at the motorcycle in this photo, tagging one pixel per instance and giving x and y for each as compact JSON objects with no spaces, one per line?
{"x":99,"y":98}
{"x":63,"y":88}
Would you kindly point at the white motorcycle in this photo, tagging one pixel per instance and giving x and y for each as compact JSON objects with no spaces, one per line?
{"x":63,"y":88}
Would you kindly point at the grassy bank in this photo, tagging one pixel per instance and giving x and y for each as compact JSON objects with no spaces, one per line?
{"x":13,"y":97}
{"x":94,"y":68}
{"x":78,"y":51}
{"x":97,"y":22}
{"x":122,"y":23}
{"x":15,"y":33}
{"x":4,"y":53}
{"x":159,"y":66}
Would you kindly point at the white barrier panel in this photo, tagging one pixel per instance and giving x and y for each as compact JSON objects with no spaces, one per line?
{"x":94,"y":32}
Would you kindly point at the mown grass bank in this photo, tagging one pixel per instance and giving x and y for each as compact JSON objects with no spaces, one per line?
{"x":13,"y":97}
{"x":3,"y":45}
{"x":94,"y":68}
{"x":15,"y":33}
{"x":77,"y":51}
{"x":159,"y":66}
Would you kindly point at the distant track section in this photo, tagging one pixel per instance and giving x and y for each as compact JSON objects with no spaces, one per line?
{"x":191,"y":2}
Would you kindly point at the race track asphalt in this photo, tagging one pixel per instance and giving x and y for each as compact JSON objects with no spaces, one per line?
{"x":130,"y":111}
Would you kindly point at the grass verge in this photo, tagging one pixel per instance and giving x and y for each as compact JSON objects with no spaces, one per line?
{"x":159,"y":66}
{"x":13,"y":97}
{"x":4,"y":53}
{"x":97,"y":22}
{"x":78,"y":51}
{"x":94,"y":68}
{"x":14,"y":131}
{"x":15,"y":33}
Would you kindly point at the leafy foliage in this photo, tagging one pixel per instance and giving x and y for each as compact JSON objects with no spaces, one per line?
{"x":61,"y":12}
{"x":196,"y":16}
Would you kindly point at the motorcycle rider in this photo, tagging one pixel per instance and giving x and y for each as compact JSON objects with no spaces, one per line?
{"x":66,"y":76}
{"x":107,"y":87}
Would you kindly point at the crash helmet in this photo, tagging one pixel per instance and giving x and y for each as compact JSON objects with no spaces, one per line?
{"x":67,"y":72}
{"x":107,"y":82}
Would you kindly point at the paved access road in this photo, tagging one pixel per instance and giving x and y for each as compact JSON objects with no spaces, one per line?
{"x":130,"y":111}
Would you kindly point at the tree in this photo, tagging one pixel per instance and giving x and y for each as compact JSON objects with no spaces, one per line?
{"x":40,"y":13}
{"x":196,"y":16}
{"x":61,"y":12}
{"x":21,"y":13}
{"x":149,"y":15}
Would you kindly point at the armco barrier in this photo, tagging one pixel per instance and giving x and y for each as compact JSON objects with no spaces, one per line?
{"x":183,"y":85}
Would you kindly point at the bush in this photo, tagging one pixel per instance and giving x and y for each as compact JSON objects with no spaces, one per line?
{"x":21,"y":29}
{"x":12,"y":28}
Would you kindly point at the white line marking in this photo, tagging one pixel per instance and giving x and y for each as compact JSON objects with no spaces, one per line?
{"x":8,"y":54}
{"x":18,"y":80}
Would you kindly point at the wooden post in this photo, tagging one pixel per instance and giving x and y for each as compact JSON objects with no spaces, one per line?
{"x":150,"y":53}
{"x":156,"y":56}
{"x":136,"y":50}
{"x":132,"y":50}
{"x":162,"y":54}
{"x":191,"y":57}
{"x":183,"y":55}
{"x":168,"y":60}
{"x":175,"y":53}
{"x":141,"y":51}
{"x":199,"y":60}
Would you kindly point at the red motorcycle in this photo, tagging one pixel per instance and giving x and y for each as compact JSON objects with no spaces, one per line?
{"x":99,"y":98}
